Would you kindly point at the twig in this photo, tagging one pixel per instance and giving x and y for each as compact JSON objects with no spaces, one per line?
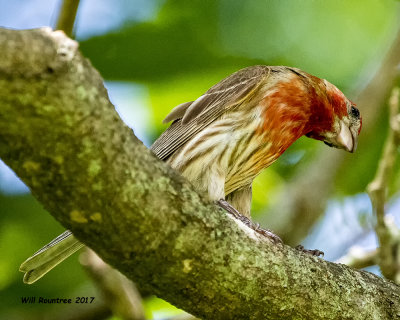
{"x":378,"y":187}
{"x":357,"y":257}
{"x":119,"y":292}
{"x":67,"y":15}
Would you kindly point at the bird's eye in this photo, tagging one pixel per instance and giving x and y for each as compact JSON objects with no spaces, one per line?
{"x":355,"y":112}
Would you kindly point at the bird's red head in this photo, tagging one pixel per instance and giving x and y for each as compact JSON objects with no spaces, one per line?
{"x":335,"y":119}
{"x":301,"y":104}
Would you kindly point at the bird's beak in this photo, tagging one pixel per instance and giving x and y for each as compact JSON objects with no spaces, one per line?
{"x":347,"y":139}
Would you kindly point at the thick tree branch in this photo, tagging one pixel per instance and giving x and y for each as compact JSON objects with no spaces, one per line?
{"x":62,"y":136}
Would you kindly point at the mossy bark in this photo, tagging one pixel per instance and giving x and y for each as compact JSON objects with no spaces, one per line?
{"x":64,"y":139}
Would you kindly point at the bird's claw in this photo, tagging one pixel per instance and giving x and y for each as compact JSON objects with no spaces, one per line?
{"x":268,"y":233}
{"x":255,"y":226}
{"x":314,"y":252}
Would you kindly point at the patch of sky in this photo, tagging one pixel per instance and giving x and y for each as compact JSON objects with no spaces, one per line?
{"x":131,"y":102}
{"x":94,"y":17}
{"x":9,"y":182}
{"x":346,"y":223}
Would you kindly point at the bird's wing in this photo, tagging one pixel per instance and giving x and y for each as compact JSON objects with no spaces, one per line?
{"x":192,"y":117}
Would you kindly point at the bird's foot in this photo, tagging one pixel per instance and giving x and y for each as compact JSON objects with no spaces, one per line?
{"x":255,"y":226}
{"x":314,"y":252}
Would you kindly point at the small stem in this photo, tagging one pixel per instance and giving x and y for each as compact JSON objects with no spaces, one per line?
{"x":359,"y":258}
{"x":378,"y":187}
{"x":120,"y":293}
{"x":67,"y":15}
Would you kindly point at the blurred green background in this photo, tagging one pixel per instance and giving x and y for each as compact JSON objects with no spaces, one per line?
{"x":155,"y":54}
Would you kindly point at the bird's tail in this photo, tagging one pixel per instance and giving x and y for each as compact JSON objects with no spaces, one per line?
{"x":49,"y":256}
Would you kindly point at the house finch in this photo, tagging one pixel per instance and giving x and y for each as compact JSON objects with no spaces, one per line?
{"x":222,"y":140}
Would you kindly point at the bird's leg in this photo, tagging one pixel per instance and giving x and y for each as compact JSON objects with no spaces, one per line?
{"x":255,"y":226}
{"x":314,"y":252}
{"x":265,"y":232}
{"x":229,"y":208}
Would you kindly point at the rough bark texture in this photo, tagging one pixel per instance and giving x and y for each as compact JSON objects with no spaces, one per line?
{"x":62,"y":136}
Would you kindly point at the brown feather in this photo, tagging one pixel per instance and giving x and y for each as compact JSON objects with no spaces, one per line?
{"x":223,"y":96}
{"x":228,"y":92}
{"x":177,"y":112}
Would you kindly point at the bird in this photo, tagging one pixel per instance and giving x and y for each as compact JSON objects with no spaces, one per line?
{"x":223,"y":139}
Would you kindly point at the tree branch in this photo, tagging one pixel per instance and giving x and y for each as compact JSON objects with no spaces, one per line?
{"x":62,"y":136}
{"x":357,"y":257}
{"x":377,"y":189}
{"x":121,"y":295}
{"x":67,"y":15}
